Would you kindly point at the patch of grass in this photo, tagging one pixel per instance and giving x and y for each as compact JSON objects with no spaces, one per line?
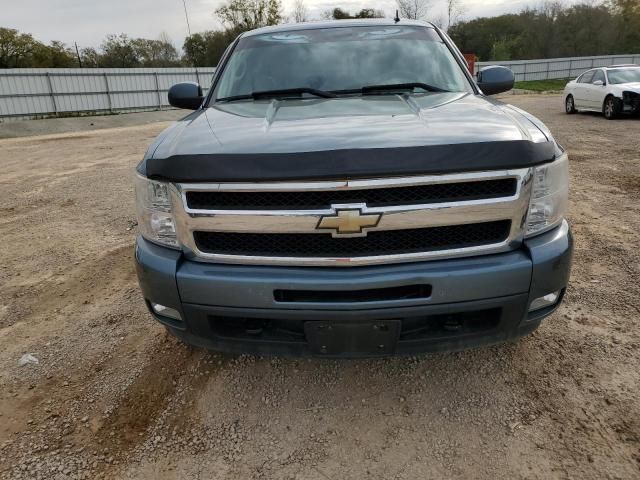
{"x":542,"y":85}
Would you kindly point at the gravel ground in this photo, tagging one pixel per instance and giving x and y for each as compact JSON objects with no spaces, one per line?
{"x":114,"y":397}
{"x":25,"y":128}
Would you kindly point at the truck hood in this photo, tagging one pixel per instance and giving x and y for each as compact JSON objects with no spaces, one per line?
{"x":348,"y":137}
{"x":307,"y":125}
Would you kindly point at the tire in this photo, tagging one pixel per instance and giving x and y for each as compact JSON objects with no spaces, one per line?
{"x":570,"y":105}
{"x":611,"y":108}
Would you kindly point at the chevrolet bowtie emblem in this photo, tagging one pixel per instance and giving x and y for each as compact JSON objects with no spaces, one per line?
{"x":349,"y":222}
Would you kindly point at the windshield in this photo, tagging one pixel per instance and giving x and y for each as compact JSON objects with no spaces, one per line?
{"x":340,"y":59}
{"x":624,"y":75}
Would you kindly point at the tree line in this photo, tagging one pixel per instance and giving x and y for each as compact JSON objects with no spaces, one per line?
{"x":21,"y":50}
{"x":237,"y":16}
{"x":551,"y":30}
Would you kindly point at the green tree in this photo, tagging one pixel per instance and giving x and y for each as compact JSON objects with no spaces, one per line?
{"x":480,"y":35}
{"x":249,"y":14}
{"x":54,"y":55}
{"x":15,"y":48}
{"x":22,"y":50}
{"x":90,"y":58}
{"x":627,"y":14}
{"x":553,"y":31}
{"x":205,"y":49}
{"x":156,"y":53}
{"x":502,"y":50}
{"x":119,"y":51}
{"x":592,"y":31}
{"x":340,"y":14}
{"x":369,"y":13}
{"x":195,"y":49}
{"x":625,"y":7}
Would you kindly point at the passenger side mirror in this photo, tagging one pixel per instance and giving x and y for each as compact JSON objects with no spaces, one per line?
{"x":186,"y":95}
{"x":495,"y":79}
{"x":598,"y":83}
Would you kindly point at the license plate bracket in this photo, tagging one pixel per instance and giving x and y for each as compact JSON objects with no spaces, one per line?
{"x":353,"y":338}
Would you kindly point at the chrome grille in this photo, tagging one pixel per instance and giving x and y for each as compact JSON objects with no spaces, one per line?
{"x":384,"y":242}
{"x":378,"y":197}
{"x":420,"y":218}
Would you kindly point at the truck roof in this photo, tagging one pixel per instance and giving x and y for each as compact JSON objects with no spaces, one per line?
{"x":289,"y":27}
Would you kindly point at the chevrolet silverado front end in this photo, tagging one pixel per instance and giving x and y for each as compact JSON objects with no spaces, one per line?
{"x":334,"y":196}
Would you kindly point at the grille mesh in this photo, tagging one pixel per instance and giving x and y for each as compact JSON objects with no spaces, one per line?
{"x":391,"y":242}
{"x":415,"y":195}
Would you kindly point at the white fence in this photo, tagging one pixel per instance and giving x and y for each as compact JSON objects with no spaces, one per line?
{"x":41,"y":92}
{"x":559,"y":67}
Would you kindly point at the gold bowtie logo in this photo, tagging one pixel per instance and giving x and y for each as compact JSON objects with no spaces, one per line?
{"x":349,"y":222}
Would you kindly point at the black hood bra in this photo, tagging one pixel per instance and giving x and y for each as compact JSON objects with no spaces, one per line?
{"x":349,"y":163}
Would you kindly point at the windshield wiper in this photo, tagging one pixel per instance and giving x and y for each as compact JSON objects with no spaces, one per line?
{"x":279,"y":93}
{"x":401,"y":86}
{"x":287,"y":91}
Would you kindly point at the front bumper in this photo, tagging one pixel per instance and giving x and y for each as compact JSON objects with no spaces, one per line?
{"x":470,"y":302}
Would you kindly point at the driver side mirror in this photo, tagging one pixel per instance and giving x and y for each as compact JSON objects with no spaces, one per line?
{"x":495,"y":79}
{"x":598,"y":83}
{"x":186,"y":95}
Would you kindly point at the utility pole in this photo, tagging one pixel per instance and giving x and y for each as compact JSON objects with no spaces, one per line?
{"x":186,"y":15}
{"x":78,"y":54}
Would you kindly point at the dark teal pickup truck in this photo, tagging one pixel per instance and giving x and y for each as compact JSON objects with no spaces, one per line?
{"x":349,"y":189}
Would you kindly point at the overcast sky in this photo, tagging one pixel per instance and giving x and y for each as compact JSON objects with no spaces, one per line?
{"x":89,"y":21}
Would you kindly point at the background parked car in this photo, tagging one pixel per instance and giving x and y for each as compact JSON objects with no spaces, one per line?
{"x":611,"y":90}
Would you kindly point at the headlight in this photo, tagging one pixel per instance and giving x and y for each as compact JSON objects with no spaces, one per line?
{"x":549,"y":196}
{"x":155,"y":216}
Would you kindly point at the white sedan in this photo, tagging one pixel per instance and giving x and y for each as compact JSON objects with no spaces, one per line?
{"x":611,"y":90}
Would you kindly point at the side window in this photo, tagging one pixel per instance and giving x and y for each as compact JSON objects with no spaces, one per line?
{"x":599,"y":75}
{"x":586,"y":77}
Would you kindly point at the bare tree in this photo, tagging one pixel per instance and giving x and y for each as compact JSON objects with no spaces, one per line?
{"x":438,"y":21}
{"x":455,"y":9}
{"x":414,"y":9}
{"x":300,"y":12}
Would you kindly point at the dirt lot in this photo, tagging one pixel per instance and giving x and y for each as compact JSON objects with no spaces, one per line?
{"x":114,"y":397}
